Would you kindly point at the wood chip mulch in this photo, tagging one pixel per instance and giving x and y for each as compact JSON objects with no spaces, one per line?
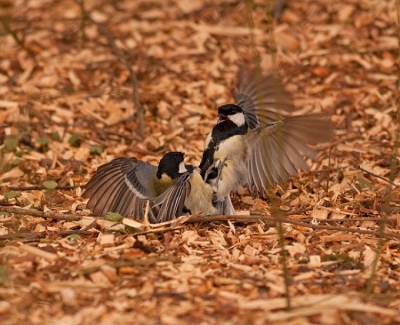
{"x":321,"y":249}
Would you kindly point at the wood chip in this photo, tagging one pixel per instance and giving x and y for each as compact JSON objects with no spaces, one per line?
{"x":39,"y":252}
{"x":106,"y":240}
{"x":60,"y":75}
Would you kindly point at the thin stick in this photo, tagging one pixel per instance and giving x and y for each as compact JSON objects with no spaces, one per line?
{"x":289,"y":221}
{"x":41,"y":187}
{"x":270,"y":220}
{"x":377,"y":176}
{"x":42,"y":214}
{"x":5,"y":23}
{"x":121,"y":56}
{"x":329,"y":171}
{"x":44,"y":234}
{"x":134,"y":263}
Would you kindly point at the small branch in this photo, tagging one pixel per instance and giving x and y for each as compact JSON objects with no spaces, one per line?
{"x":237,"y":218}
{"x":345,"y":229}
{"x":123,"y":136}
{"x":40,"y":187}
{"x":268,"y":220}
{"x":377,"y":176}
{"x":83,"y":20}
{"x":5,"y":23}
{"x":118,"y":52}
{"x":44,"y":234}
{"x":329,"y":171}
{"x":42,"y":214}
{"x":273,"y":221}
{"x":353,"y":202}
{"x":133,"y":263}
{"x":336,"y":51}
{"x":159,"y":230}
{"x":325,"y":170}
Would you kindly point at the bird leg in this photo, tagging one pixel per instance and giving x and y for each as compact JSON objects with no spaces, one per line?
{"x":219,"y":171}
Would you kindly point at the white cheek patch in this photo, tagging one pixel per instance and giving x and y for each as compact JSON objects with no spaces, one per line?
{"x":182,"y":168}
{"x":237,"y":118}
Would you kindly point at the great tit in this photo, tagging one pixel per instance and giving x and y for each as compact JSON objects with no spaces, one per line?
{"x":253,"y":145}
{"x":127,"y":185}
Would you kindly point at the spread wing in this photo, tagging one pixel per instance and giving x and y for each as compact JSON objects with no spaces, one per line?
{"x":119,"y":185}
{"x":281,"y":148}
{"x":262,"y":98}
{"x":169,"y":205}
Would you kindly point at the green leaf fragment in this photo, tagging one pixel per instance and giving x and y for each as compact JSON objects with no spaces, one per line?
{"x":3,"y":275}
{"x":43,"y":141}
{"x":10,"y":144}
{"x":75,"y":140}
{"x":16,"y":161}
{"x":50,"y":185}
{"x":113,"y":216}
{"x":96,"y":150}
{"x":11,"y":195}
{"x":55,"y":136}
{"x":74,"y":237}
{"x":364,"y":183}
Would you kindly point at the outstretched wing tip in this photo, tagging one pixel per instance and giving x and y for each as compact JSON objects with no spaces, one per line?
{"x":114,"y":187}
{"x":262,"y":97}
{"x":281,"y":149}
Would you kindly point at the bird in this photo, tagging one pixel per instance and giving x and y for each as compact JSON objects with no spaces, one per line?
{"x":257,"y":141}
{"x":127,"y":185}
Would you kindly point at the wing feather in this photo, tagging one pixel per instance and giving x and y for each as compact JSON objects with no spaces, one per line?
{"x":262,"y":98}
{"x":169,"y":205}
{"x":116,"y":186}
{"x":280,"y":149}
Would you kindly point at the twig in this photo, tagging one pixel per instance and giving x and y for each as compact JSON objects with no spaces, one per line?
{"x":42,"y":214}
{"x":83,"y":20}
{"x":384,"y":212}
{"x":118,"y":52}
{"x":329,"y":171}
{"x":273,"y":221}
{"x":159,"y":230}
{"x":345,"y":229}
{"x":40,"y":187}
{"x":325,"y":170}
{"x":282,"y":240}
{"x":378,"y":219}
{"x":123,"y":136}
{"x":269,"y":220}
{"x":137,"y":262}
{"x":336,"y":51}
{"x":377,"y":176}
{"x":353,"y":202}
{"x":257,"y":217}
{"x":43,"y":234}
{"x":6,"y":26}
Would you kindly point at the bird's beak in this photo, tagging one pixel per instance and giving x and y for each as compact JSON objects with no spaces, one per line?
{"x":222,"y":117}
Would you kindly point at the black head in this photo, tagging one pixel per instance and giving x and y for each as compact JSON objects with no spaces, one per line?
{"x":231,"y":112}
{"x":172,"y":165}
{"x":229,"y":109}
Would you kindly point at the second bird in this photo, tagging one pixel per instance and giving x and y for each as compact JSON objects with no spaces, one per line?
{"x":127,"y":185}
{"x":256,"y":143}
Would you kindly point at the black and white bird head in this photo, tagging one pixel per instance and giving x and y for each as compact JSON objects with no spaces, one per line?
{"x":172,"y":165}
{"x":233,"y":113}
